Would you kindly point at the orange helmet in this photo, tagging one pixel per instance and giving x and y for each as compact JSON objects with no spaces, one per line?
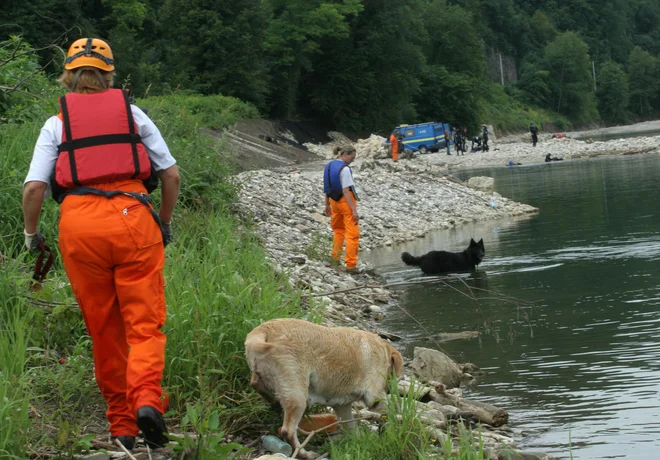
{"x":89,"y":52}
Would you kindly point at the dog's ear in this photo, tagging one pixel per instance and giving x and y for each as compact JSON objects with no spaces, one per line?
{"x":396,"y":362}
{"x":481,"y":242}
{"x":472,"y":241}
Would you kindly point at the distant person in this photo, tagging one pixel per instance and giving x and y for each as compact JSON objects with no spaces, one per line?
{"x":341,"y":205}
{"x":394,"y":143}
{"x":464,"y":135}
{"x":447,"y":142}
{"x":476,"y":144}
{"x":484,"y":138}
{"x":535,"y":133}
{"x":549,"y":158}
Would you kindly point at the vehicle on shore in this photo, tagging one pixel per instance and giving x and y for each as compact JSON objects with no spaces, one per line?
{"x":423,"y":137}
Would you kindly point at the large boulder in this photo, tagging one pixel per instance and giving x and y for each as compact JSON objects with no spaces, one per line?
{"x":433,"y":365}
{"x":482,"y":183}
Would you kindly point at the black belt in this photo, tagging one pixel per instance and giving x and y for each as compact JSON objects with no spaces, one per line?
{"x":141,"y":197}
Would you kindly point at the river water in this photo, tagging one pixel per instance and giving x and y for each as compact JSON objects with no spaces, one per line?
{"x":568,"y":306}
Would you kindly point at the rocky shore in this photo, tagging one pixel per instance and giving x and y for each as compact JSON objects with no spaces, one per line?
{"x":398,"y":202}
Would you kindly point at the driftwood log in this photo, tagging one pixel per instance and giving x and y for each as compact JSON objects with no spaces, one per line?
{"x":452,"y":406}
{"x":484,"y":412}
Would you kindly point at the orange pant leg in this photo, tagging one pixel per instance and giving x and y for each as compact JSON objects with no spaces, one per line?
{"x":140,"y":290}
{"x":113,"y":255}
{"x":345,"y":229}
{"x":93,"y":287}
{"x":395,"y":151}
{"x":337,"y":225}
{"x":352,"y":238}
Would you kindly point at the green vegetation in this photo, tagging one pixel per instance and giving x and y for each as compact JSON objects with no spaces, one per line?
{"x":363,"y":66}
{"x":511,"y":115}
{"x":613,"y":94}
{"x":401,"y":435}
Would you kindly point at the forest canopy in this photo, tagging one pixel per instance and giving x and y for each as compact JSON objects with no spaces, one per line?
{"x":365,"y":65}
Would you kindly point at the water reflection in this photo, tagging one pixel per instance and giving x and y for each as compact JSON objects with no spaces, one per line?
{"x":578,"y":356}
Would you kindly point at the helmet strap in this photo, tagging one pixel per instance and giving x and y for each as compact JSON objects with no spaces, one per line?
{"x":100,"y":77}
{"x":74,"y":83}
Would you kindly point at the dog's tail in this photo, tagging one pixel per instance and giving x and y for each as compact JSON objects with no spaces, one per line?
{"x":256,"y":345}
{"x":409,"y":259}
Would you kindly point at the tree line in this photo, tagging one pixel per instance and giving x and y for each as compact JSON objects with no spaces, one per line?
{"x":367,"y":65}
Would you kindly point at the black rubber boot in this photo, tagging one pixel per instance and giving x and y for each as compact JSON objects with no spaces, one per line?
{"x":152,"y":424}
{"x":127,"y":441}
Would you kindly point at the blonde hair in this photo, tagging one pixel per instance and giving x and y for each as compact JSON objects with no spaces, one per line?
{"x":88,"y":82}
{"x":339,"y":151}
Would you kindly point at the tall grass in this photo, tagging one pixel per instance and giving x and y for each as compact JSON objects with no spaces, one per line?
{"x":401,"y":435}
{"x":219,"y":287}
{"x":16,"y":145}
{"x":14,"y":328}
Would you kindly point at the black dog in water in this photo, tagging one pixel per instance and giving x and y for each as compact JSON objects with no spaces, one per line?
{"x":437,"y":262}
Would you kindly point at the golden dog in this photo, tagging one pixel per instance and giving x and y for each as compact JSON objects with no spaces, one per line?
{"x":300,"y":364}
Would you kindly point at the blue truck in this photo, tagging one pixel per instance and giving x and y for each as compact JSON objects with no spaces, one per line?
{"x":424,"y":137}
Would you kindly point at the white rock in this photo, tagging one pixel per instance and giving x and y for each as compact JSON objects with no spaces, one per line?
{"x":433,"y":365}
{"x":481,"y":183}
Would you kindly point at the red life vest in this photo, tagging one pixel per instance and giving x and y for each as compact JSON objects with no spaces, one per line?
{"x":100,"y":142}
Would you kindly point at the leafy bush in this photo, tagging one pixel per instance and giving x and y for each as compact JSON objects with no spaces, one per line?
{"x":181,"y":112}
{"x":26,"y":93}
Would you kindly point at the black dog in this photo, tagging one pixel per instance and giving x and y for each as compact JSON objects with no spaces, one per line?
{"x":437,"y":262}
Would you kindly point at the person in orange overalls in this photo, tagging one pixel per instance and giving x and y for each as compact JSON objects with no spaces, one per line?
{"x":99,"y":158}
{"x":341,"y":205}
{"x":394,"y":142}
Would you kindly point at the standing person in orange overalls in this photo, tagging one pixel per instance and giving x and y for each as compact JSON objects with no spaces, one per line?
{"x":394,"y":143}
{"x":341,"y":205}
{"x":100,"y":157}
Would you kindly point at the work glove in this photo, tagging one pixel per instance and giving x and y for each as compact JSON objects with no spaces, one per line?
{"x":33,"y":240}
{"x":167,"y":233}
